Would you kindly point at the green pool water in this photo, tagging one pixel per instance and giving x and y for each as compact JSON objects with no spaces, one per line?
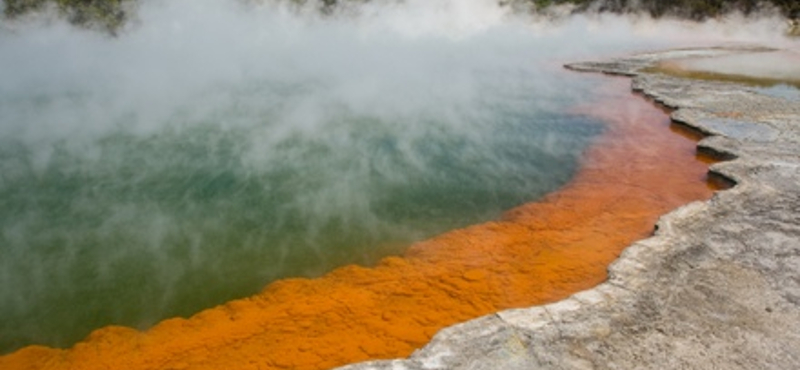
{"x":134,"y":229}
{"x":162,"y":172}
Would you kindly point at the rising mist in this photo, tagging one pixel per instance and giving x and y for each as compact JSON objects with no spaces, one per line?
{"x":212,"y":147}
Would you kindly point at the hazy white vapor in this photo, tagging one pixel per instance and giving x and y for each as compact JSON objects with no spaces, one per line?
{"x":213,"y":145}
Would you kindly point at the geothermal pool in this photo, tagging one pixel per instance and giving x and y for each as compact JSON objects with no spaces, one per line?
{"x":125,"y":227}
{"x":146,"y":177}
{"x":210,"y":150}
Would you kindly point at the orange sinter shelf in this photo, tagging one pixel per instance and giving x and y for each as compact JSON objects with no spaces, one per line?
{"x":537,"y":253}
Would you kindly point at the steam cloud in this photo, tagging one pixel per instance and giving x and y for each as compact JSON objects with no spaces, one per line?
{"x":216,"y":145}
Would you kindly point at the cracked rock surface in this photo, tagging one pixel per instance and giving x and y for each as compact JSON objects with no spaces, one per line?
{"x":716,"y":287}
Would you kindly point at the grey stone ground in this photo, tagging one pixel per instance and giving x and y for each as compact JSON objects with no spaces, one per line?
{"x":717,"y":287}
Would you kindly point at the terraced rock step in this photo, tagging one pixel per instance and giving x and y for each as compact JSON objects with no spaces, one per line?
{"x":717,"y":287}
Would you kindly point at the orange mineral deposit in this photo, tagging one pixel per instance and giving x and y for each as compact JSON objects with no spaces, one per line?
{"x":537,"y":253}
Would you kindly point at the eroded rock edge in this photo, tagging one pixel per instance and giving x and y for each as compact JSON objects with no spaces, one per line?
{"x":717,"y":286}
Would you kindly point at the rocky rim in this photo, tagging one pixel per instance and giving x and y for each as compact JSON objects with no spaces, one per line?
{"x":716,"y":287}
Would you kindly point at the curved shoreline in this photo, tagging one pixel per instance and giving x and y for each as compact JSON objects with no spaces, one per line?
{"x":716,"y":287}
{"x":539,"y":252}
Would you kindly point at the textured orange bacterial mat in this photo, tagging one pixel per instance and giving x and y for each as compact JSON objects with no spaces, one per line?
{"x":539,"y":252}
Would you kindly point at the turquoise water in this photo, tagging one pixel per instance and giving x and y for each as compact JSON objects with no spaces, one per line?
{"x":176,"y":167}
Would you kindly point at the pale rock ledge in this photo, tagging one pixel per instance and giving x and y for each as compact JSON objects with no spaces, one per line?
{"x":716,"y":287}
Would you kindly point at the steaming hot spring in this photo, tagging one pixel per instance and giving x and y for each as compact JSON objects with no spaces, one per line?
{"x":213,"y":149}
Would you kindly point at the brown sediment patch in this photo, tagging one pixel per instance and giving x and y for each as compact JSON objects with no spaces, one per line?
{"x":539,"y":252}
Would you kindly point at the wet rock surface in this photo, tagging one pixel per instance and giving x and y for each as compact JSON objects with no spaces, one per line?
{"x":716,"y":287}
